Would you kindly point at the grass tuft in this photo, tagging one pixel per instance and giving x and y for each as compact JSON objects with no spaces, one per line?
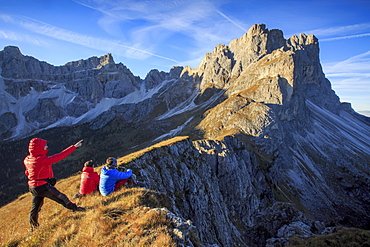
{"x":129,"y":217}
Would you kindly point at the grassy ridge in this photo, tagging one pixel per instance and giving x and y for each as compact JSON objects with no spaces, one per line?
{"x":127,"y":218}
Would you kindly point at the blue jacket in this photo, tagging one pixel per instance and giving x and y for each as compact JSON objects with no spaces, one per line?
{"x":109,"y":178}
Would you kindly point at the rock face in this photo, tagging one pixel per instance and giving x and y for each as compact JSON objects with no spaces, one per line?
{"x":236,"y":195}
{"x":272,"y":152}
{"x":40,"y":94}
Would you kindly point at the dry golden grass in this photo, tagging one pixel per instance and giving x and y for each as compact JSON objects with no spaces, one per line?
{"x":139,"y":153}
{"x":126,"y":218}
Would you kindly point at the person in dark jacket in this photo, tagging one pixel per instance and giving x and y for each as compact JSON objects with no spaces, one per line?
{"x":89,"y":180}
{"x":41,"y":181}
{"x":111,"y":179}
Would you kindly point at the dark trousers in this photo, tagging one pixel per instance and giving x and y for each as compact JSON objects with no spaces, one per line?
{"x":38,"y":195}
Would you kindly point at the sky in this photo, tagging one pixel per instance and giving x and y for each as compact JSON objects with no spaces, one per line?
{"x":160,"y":34}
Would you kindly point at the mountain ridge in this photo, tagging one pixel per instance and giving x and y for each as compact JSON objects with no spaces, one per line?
{"x":260,"y":115}
{"x":95,"y":81}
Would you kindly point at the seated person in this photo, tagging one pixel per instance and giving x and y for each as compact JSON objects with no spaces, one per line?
{"x":111,"y":179}
{"x":89,"y":180}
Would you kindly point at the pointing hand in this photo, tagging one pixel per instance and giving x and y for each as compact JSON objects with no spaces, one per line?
{"x":79,"y":144}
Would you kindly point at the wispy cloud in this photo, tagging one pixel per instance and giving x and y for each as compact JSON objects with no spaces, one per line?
{"x":199,"y":22}
{"x":351,"y":79}
{"x":91,"y":7}
{"x":143,"y":29}
{"x":341,"y":30}
{"x":233,"y":22}
{"x":346,"y":37}
{"x":14,"y":36}
{"x":165,"y":16}
{"x":358,"y":65}
{"x":48,"y":30}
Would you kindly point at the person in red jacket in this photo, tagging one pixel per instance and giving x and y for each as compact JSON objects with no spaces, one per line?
{"x":41,"y":181}
{"x":89,"y":180}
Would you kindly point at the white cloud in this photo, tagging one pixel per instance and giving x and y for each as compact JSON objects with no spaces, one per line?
{"x":157,"y":23}
{"x":351,"y":79}
{"x":233,"y":22}
{"x":13,"y":36}
{"x":76,"y":38}
{"x":341,"y":30}
{"x":346,"y":37}
{"x":357,"y":65}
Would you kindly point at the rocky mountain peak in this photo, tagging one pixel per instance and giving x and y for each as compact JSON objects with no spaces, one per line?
{"x":93,"y":62}
{"x":261,"y":116}
{"x":302,"y":40}
{"x":11,"y":51}
{"x":262,"y":63}
{"x":106,"y":59}
{"x":15,"y":65}
{"x":257,"y":29}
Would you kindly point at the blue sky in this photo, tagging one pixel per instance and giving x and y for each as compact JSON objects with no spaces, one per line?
{"x":159,"y":34}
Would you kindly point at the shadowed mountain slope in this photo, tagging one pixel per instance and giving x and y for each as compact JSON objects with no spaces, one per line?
{"x":144,"y":217}
{"x":271,"y":151}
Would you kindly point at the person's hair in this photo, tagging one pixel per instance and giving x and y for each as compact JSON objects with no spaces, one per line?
{"x":89,"y":163}
{"x":111,"y":162}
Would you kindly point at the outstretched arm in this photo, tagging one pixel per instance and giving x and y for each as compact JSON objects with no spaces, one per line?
{"x":58,"y":157}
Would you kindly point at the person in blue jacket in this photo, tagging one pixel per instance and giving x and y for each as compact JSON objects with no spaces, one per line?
{"x":111,"y":179}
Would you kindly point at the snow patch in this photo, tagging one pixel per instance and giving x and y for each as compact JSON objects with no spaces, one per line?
{"x":105,"y":104}
{"x":173,"y":132}
{"x":188,"y":105}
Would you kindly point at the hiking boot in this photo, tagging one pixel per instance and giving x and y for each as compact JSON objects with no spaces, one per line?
{"x":78,"y":195}
{"x":33,"y":227}
{"x":80,"y":209}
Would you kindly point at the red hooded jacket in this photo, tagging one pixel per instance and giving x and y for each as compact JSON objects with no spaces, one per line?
{"x":89,"y":181}
{"x":39,"y":165}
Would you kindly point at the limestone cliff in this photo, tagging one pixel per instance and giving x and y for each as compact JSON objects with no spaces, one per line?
{"x":272,"y":152}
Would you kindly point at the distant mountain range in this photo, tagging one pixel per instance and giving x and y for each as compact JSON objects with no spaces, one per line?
{"x":271,"y":151}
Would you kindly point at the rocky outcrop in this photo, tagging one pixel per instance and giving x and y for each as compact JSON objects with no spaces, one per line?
{"x":274,"y":152}
{"x":225,"y":189}
{"x":40,"y":94}
{"x":91,"y":79}
{"x":16,"y":66}
{"x":297,"y":143}
{"x":8,"y":121}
